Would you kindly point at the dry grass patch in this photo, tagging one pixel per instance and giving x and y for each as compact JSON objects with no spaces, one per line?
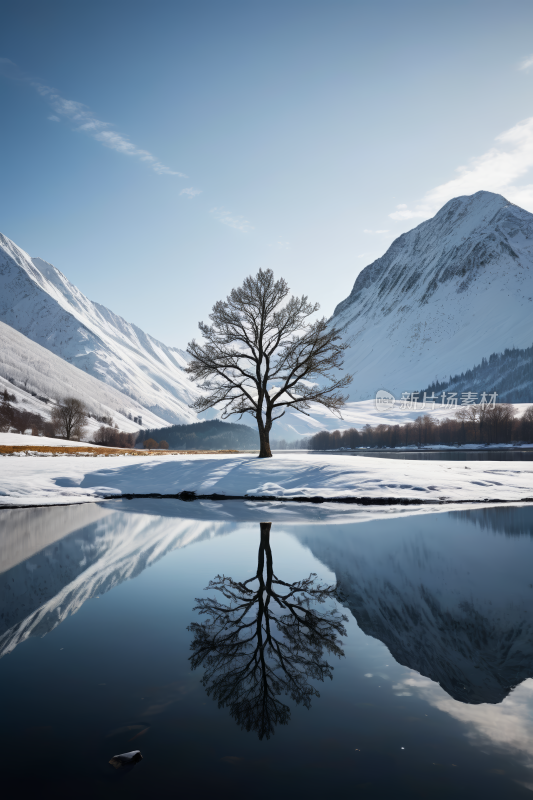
{"x":82,"y":450}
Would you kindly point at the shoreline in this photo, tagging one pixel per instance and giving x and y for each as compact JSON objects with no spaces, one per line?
{"x":359,"y":501}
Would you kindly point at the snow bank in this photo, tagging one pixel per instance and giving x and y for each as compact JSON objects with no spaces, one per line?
{"x":40,"y":481}
{"x":19,"y":439}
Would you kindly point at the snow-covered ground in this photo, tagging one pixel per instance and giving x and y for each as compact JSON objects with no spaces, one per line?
{"x":31,"y":480}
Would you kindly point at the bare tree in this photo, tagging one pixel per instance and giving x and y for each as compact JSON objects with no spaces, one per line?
{"x":69,"y":418}
{"x":526,"y":424}
{"x":262,"y":355}
{"x":498,"y":422}
{"x":22,"y":419}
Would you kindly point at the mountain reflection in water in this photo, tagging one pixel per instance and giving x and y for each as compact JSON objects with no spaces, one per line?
{"x":88,"y":551}
{"x":447,"y":598}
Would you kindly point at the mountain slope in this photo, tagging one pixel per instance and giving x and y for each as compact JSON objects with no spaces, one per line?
{"x":39,"y":302}
{"x":37,"y":375}
{"x":445,"y":295}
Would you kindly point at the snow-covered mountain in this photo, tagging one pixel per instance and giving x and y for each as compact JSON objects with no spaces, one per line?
{"x":38,"y":301}
{"x":449,"y":293}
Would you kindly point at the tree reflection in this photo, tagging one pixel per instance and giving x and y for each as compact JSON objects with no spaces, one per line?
{"x":265,"y":638}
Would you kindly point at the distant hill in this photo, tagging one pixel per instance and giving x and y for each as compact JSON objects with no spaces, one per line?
{"x":212,"y":434}
{"x":510,"y":374}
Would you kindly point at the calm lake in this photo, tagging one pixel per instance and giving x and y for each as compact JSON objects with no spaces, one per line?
{"x":436,"y":455}
{"x":415,"y":680}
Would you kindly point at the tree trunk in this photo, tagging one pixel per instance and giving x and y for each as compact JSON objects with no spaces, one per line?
{"x":264,"y":439}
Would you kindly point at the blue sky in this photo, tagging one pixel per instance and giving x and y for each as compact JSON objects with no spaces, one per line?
{"x":158,"y":152}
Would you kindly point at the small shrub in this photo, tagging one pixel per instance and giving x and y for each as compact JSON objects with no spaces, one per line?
{"x":111,"y":437}
{"x":49,"y":430}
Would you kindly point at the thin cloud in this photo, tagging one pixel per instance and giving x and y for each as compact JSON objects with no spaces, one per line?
{"x":497,"y":170}
{"x":526,"y":63}
{"x":85,"y":120}
{"x":507,"y":727}
{"x":190,"y":192}
{"x":374,"y":232}
{"x":232,"y":221}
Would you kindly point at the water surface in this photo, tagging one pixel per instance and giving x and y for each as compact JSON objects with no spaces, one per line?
{"x":414,"y":680}
{"x":437,"y":455}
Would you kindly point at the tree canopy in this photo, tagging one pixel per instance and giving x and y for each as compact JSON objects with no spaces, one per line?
{"x":69,"y":418}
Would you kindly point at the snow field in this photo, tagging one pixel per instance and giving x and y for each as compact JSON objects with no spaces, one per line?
{"x":24,"y":439}
{"x":30,"y":481}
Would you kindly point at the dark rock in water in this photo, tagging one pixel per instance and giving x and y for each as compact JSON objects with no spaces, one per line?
{"x":126,"y":759}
